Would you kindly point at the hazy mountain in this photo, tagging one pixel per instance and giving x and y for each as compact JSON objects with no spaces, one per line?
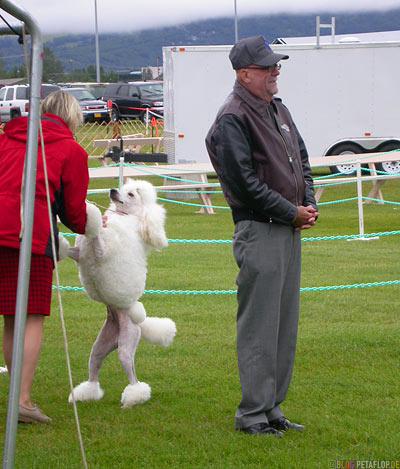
{"x":125,"y":51}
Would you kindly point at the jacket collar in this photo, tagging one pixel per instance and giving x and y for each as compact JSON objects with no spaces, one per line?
{"x":251,"y":99}
{"x":54,"y":128}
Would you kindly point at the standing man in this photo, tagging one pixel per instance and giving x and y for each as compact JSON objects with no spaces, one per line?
{"x":262,"y":164}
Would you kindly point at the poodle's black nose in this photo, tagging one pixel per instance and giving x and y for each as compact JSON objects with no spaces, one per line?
{"x":114,"y":195}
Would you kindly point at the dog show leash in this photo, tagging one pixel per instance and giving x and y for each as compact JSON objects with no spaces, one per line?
{"x":106,"y":208}
{"x":53,"y":246}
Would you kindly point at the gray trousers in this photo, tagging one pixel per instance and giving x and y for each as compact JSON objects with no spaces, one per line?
{"x":268,"y":256}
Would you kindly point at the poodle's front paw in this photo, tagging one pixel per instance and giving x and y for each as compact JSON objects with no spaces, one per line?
{"x":87,"y":391}
{"x":94,"y":221}
{"x":135,"y":394}
{"x":63,"y":247}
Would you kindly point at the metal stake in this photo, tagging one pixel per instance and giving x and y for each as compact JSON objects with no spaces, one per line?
{"x":26,"y":243}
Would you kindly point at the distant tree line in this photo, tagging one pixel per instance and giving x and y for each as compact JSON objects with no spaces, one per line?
{"x":54,"y":72}
{"x":71,"y":57}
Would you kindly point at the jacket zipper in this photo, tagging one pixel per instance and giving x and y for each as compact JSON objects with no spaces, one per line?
{"x":295,"y":179}
{"x":289,"y":158}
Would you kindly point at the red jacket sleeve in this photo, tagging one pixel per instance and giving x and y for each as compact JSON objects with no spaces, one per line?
{"x":71,"y":205}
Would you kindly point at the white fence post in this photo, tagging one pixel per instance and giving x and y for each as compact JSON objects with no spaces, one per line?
{"x":359,"y":200}
{"x":121,"y":173}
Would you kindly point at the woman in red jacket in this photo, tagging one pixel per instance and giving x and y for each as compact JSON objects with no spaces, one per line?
{"x":68,"y":178}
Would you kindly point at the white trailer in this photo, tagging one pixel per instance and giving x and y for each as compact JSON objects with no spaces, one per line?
{"x":344,"y":97}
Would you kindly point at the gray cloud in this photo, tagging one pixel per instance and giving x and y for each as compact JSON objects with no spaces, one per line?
{"x":76,"y":16}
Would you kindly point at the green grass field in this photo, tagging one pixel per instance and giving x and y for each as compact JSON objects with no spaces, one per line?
{"x":345,"y":385}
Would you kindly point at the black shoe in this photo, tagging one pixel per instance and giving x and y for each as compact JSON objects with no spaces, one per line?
{"x":261,"y":429}
{"x":283,"y":425}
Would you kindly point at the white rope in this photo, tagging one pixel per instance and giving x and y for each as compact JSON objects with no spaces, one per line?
{"x":108,"y":209}
{"x":60,"y":301}
{"x":99,"y":205}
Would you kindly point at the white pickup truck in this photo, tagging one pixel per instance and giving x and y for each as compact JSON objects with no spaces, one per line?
{"x":14,"y":100}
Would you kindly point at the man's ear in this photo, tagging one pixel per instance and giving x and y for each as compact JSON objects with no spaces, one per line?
{"x":243,"y":75}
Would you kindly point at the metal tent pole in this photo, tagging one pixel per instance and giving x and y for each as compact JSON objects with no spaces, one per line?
{"x":236,"y":22}
{"x":97,"y":43}
{"x":26,"y":240}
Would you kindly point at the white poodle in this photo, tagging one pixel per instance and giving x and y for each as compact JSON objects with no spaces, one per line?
{"x":112,"y":270}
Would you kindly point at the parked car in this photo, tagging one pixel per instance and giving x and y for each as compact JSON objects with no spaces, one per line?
{"x":97,"y":89}
{"x":14,"y":100}
{"x":131,"y":100}
{"x":93,"y":109}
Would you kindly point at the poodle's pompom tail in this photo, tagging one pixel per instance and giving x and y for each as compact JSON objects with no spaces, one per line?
{"x":158,"y":331}
{"x":94,"y":221}
{"x":63,"y":247}
{"x":137,"y":313}
{"x":87,"y":391}
{"x":135,"y":394}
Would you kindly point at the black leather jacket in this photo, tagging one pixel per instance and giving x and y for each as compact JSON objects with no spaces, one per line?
{"x":260,"y":159}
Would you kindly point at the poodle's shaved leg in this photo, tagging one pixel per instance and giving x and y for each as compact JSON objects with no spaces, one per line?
{"x":73,"y":253}
{"x":129,"y":336}
{"x":106,"y":342}
{"x":98,"y":246}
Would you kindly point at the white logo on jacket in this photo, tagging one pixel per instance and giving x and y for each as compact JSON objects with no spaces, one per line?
{"x":285,"y":127}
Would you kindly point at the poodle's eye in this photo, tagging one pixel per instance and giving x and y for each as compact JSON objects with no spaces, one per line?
{"x":131,"y":194}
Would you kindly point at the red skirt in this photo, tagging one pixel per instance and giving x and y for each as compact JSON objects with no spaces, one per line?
{"x":40,"y":282}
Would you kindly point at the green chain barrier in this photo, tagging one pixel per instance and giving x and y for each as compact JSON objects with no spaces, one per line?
{"x":231,"y":292}
{"x":229,"y":241}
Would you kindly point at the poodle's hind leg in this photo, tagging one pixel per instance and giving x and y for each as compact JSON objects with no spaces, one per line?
{"x":106,"y":342}
{"x":128,"y":339}
{"x":129,"y":336}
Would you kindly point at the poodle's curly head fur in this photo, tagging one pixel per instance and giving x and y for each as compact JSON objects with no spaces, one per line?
{"x":133,"y":195}
{"x":139,"y":198}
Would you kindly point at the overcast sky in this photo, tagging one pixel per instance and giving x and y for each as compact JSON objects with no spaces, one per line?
{"x":72,"y":16}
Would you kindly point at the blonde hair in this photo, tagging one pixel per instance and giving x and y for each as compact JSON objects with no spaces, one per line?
{"x":65,"y":106}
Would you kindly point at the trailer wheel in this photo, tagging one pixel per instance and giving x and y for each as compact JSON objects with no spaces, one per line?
{"x":348,"y":148}
{"x":392,"y":167}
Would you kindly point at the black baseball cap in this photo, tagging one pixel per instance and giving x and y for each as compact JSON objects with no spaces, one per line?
{"x":253,"y":50}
